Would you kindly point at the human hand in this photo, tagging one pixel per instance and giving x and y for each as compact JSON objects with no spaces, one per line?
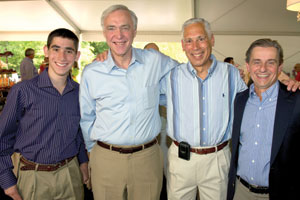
{"x":242,"y":74}
{"x":292,"y":85}
{"x":84,"y":172}
{"x":102,"y":56}
{"x":13,"y":192}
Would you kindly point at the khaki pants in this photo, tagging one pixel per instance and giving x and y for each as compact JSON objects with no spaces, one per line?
{"x":136,"y":176}
{"x":207,"y":174}
{"x":64,"y":183}
{"x":243,"y":193}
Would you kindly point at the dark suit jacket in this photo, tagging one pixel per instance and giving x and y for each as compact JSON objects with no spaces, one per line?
{"x":284,"y":182}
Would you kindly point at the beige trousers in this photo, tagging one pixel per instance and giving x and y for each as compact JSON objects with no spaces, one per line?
{"x":207,"y":174}
{"x":136,"y":176}
{"x":243,"y":193}
{"x":64,"y":183}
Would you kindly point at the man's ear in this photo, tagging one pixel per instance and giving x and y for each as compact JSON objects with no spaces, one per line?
{"x":46,"y":51}
{"x":182,"y":45}
{"x":212,"y":40}
{"x":78,"y":55}
{"x":248,"y":67}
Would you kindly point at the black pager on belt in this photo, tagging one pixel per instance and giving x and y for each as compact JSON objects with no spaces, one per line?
{"x":184,"y":150}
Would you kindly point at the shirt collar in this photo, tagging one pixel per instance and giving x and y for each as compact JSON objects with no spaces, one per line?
{"x":136,"y":57}
{"x":44,"y":81}
{"x":210,"y":70}
{"x":270,"y":93}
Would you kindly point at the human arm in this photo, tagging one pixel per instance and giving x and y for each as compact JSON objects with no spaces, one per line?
{"x":102,"y":56}
{"x":8,"y":128}
{"x":292,"y":85}
{"x":82,"y":158}
{"x":87,"y":110}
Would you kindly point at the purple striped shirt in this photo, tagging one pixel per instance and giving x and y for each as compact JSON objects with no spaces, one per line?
{"x":41,"y":124}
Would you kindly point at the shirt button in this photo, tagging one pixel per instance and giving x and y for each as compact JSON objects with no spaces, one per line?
{"x":257,"y":125}
{"x":204,"y":113}
{"x":259,"y":108}
{"x":252,"y":178}
{"x":203,"y":98}
{"x":255,"y":143}
{"x":253,"y":161}
{"x":203,"y":129}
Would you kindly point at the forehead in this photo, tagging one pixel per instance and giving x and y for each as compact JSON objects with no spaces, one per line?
{"x":62,"y":42}
{"x":264,"y":53}
{"x":118,"y":17}
{"x":194,"y":30}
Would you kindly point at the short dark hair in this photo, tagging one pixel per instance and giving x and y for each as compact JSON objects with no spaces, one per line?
{"x":29,"y":52}
{"x":228,"y":59}
{"x":265,"y":42}
{"x":64,"y":33}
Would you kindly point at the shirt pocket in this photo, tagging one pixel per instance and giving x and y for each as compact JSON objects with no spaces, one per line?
{"x":151,"y":96}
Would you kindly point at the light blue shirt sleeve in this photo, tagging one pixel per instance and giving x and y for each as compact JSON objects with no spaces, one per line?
{"x":87,"y":110}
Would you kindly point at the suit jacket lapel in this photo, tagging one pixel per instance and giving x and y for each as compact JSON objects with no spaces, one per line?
{"x":284,"y":110}
{"x":241,"y":100}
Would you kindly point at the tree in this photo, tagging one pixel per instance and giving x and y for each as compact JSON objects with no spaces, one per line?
{"x":18,"y":49}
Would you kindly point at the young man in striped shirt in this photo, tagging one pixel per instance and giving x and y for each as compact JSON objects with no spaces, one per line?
{"x":40,"y":121}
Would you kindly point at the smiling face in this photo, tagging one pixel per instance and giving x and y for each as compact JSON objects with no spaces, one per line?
{"x":197,"y":45}
{"x":119,"y":33}
{"x":264,"y":68}
{"x":62,"y":55}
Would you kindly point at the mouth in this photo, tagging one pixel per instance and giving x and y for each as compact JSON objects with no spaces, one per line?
{"x":262,"y":75}
{"x":197,"y":55}
{"x":119,"y":43}
{"x":61,"y":64}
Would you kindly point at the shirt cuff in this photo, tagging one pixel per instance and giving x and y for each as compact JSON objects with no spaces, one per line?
{"x":82,"y":155}
{"x":8,"y":179}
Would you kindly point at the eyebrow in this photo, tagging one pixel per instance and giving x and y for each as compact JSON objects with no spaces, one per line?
{"x":67,"y":48}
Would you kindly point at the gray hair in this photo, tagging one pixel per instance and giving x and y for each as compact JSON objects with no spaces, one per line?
{"x":197,"y":20}
{"x":119,"y":7}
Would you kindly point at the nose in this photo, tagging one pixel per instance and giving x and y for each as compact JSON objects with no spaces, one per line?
{"x":195,"y":44}
{"x":118,"y":33}
{"x":263,"y":67}
{"x":61,"y":55}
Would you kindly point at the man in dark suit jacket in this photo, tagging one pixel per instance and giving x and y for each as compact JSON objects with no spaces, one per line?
{"x":266,"y":131}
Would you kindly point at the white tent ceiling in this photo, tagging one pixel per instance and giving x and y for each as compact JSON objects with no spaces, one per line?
{"x":235,"y":23}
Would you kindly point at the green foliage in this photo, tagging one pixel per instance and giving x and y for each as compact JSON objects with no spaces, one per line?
{"x":18,"y":49}
{"x":98,"y":47}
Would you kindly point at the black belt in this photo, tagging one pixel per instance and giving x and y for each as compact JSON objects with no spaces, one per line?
{"x":126,"y":150}
{"x":254,"y":188}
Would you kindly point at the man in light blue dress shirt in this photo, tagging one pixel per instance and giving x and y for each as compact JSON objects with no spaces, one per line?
{"x":120,"y":120}
{"x":199,"y":99}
